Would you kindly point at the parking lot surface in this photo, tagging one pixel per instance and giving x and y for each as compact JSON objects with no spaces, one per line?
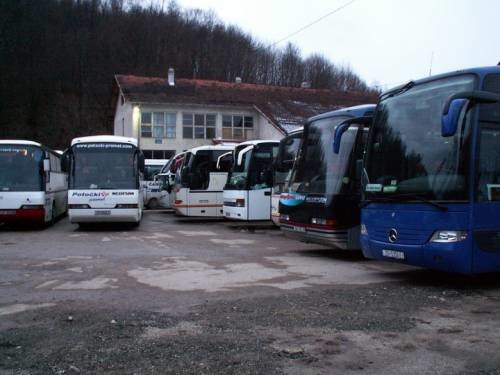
{"x":179,"y":295}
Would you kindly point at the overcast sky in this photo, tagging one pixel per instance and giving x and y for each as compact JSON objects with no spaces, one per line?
{"x":384,"y":41}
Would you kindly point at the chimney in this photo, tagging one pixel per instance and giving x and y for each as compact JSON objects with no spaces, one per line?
{"x":305,"y":85}
{"x":237,"y":80}
{"x":171,"y":77}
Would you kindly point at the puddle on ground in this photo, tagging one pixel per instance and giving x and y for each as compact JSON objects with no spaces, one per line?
{"x":194,"y":233}
{"x":289,"y":272}
{"x":20,"y":307}
{"x":92,"y":284}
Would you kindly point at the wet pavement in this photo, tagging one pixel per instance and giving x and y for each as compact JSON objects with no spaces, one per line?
{"x":193,"y":296}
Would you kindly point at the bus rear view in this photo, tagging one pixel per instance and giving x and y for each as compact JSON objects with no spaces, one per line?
{"x":432,"y":174}
{"x":104,"y":180}
{"x":321,"y":203}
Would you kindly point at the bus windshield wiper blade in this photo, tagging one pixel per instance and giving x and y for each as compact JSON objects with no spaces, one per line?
{"x":398,"y":90}
{"x":394,"y":198}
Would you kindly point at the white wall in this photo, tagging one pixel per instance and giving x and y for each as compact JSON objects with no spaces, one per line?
{"x":267,"y":130}
{"x":130,"y":114}
{"x":124,"y":116}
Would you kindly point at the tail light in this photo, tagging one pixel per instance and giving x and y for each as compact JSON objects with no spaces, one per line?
{"x":32,"y":207}
{"x":178,"y":201}
{"x":78,"y":206}
{"x":127,"y":205}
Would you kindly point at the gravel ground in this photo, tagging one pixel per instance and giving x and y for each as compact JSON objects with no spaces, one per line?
{"x":396,"y":321}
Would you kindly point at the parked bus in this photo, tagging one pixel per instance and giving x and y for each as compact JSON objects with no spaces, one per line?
{"x":199,"y":183}
{"x":104,"y":179}
{"x":432,"y":174}
{"x":321,"y":204}
{"x":152,"y":188}
{"x":166,"y":178}
{"x":247,"y":194}
{"x":33,"y":187}
{"x":287,"y":152}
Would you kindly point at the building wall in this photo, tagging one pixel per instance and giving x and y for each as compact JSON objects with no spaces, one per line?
{"x":127,"y":122}
{"x":123,"y":122}
{"x":267,"y":130}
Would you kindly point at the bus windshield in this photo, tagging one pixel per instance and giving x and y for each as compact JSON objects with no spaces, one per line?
{"x":407,"y":156}
{"x":318,"y":170}
{"x":104,"y":166}
{"x":150,"y":171}
{"x":21,"y":168}
{"x":287,"y":151}
{"x":255,"y":170}
{"x":195,"y":172}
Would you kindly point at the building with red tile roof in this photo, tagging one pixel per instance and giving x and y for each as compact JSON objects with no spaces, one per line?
{"x":171,"y":115}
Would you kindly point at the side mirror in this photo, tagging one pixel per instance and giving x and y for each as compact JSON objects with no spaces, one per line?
{"x":65,"y":161}
{"x":341,"y":129}
{"x":46,"y":165}
{"x":457,"y":102}
{"x":141,"y":162}
{"x":337,"y":137}
{"x":449,"y":120}
{"x":359,"y":169}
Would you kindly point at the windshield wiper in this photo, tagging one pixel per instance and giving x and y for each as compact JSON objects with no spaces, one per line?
{"x":398,"y":90}
{"x":394,"y":198}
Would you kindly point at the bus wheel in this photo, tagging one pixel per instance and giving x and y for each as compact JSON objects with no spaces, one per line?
{"x":153,"y":204}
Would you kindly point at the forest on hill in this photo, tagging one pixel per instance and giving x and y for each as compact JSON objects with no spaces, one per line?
{"x":58,"y":59}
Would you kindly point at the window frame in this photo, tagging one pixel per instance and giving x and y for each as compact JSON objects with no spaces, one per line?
{"x":193,"y":128}
{"x":244,"y":127}
{"x":168,"y":129}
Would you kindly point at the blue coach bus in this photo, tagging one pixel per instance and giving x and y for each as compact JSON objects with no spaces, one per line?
{"x":431,"y":178}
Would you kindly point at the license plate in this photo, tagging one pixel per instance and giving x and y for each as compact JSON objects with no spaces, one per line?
{"x":299,"y":229}
{"x":7,"y":212}
{"x":102,"y":213}
{"x":393,"y":254}
{"x":228,"y":214}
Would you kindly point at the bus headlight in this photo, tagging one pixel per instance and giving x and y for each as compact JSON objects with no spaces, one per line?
{"x":447,"y":236}
{"x":364,"y":231}
{"x":321,"y":221}
{"x":240,"y":203}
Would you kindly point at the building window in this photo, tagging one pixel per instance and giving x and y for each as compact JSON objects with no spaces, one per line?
{"x":158,"y":154}
{"x":198,"y":126}
{"x":237,"y":127}
{"x":158,"y":124}
{"x":146,"y":124}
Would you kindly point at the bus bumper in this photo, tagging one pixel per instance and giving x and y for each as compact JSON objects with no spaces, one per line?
{"x":31,"y":215}
{"x":235,"y":213}
{"x":90,"y":215}
{"x":448,"y":257}
{"x":345,"y":239}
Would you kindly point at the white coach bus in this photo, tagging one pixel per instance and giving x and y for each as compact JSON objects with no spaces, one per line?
{"x":104,"y":179}
{"x":247,"y":194}
{"x":33,"y":187}
{"x":200,"y":180}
